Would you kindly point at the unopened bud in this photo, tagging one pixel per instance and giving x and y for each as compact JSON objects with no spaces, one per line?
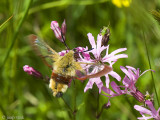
{"x":32,"y":71}
{"x":106,"y":106}
{"x":56,"y":29}
{"x":63,"y":28}
{"x":105,"y":32}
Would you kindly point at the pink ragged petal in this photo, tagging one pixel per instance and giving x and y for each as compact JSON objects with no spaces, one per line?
{"x":135,"y":72}
{"x":107,"y":51}
{"x":132,"y":68}
{"x":126,"y":72}
{"x":114,"y":58}
{"x":134,"y":77}
{"x":63,"y":52}
{"x":99,"y":84}
{"x":99,"y":40}
{"x":144,"y":118}
{"x":102,"y":49}
{"x":89,"y":85}
{"x":116,"y":87}
{"x":142,"y":109}
{"x":150,"y":105}
{"x":118,"y":51}
{"x":91,"y":81}
{"x":126,"y":81}
{"x":91,"y":40}
{"x":108,"y":91}
{"x":107,"y":80}
{"x":115,"y":75}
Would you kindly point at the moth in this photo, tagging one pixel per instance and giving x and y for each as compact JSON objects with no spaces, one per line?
{"x":64,"y":68}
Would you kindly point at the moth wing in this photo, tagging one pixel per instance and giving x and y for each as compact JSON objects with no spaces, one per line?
{"x":48,"y":55}
{"x":94,"y":71}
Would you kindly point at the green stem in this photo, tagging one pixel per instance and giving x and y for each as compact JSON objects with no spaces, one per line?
{"x":97,"y":115}
{"x":16,"y":32}
{"x":74,"y":104}
{"x":151,"y":68}
{"x":69,"y":108}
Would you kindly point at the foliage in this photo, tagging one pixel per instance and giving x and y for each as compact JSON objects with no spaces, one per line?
{"x":26,"y":97}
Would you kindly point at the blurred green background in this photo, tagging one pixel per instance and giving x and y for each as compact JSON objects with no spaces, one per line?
{"x":27,"y":97}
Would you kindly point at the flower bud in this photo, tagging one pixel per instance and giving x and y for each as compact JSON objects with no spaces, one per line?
{"x":63,"y":28}
{"x":105,"y":32}
{"x":56,"y":29}
{"x":107,"y":105}
{"x":32,"y":71}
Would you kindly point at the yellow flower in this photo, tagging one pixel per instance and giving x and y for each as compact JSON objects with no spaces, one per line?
{"x":120,"y":3}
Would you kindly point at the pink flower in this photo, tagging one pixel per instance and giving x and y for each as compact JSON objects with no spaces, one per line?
{"x":63,"y":52}
{"x":83,"y":51}
{"x":32,"y":71}
{"x":78,"y":50}
{"x":129,"y":82}
{"x":59,"y":33}
{"x":98,"y":62}
{"x":117,"y":91}
{"x":151,"y":111}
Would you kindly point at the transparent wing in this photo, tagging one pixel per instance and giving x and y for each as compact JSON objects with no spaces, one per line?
{"x":94,"y":71}
{"x":48,"y":55}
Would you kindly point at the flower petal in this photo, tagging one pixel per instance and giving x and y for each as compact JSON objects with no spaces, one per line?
{"x":116,"y":88}
{"x":108,"y":91}
{"x":114,"y":58}
{"x":115,"y":75}
{"x":89,"y":84}
{"x":126,"y":72}
{"x":142,"y":109}
{"x":107,"y":80}
{"x":92,"y":81}
{"x":91,"y":40}
{"x":150,"y":105}
{"x":99,"y":39}
{"x":118,"y":51}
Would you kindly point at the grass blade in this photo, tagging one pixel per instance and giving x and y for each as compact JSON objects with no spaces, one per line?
{"x":16,"y":33}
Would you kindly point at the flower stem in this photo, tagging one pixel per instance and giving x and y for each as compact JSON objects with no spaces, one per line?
{"x":74,"y":100}
{"x":97,"y":114}
{"x":154,"y":86}
{"x":69,"y":108}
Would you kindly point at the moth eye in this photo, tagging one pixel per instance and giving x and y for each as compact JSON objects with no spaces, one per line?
{"x":68,"y":66}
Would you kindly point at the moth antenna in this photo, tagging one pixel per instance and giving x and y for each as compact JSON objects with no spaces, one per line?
{"x":88,"y":50}
{"x":82,"y":51}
